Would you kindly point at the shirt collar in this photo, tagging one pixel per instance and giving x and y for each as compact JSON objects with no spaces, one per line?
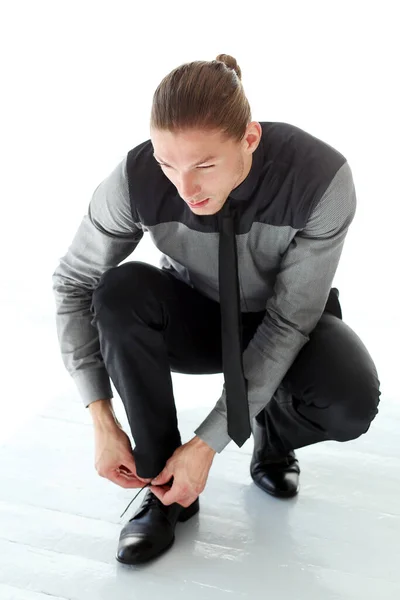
{"x":247,"y":187}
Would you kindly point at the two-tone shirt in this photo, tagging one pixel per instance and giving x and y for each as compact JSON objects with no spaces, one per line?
{"x":294,"y":209}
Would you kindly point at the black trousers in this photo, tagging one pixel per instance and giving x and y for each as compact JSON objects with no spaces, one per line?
{"x":150,"y":323}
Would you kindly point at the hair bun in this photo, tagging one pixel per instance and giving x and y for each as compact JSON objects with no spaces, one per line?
{"x":231,"y":63}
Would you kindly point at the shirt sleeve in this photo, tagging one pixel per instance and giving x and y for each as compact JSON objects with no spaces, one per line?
{"x":300,"y":293}
{"x":105,"y":237}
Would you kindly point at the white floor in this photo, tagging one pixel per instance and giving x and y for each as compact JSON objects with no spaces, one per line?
{"x":60,"y":522}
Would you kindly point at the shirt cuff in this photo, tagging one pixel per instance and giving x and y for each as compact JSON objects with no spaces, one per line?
{"x":93,"y":384}
{"x":213,"y":431}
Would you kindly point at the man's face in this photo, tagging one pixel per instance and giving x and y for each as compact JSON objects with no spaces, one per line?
{"x":202,"y":165}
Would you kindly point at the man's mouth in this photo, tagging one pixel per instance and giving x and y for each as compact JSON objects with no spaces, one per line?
{"x":203,"y":202}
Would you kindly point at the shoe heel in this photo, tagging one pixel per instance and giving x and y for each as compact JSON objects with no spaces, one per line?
{"x":189,"y":512}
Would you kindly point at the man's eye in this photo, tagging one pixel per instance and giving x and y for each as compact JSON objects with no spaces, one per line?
{"x":168,"y":167}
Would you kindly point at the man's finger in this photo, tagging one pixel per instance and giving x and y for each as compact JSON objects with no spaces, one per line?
{"x":130,"y":463}
{"x":129,"y":469}
{"x":159,"y":492}
{"x":124,"y":480}
{"x":176,"y":494}
{"x":163,"y":477}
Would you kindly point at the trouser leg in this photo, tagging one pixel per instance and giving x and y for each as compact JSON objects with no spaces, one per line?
{"x":330,"y":392}
{"x":150,"y":323}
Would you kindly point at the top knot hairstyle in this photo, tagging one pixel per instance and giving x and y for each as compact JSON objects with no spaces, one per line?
{"x":203,"y":95}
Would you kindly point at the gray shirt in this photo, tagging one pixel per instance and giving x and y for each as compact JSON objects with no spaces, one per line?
{"x":295,"y":208}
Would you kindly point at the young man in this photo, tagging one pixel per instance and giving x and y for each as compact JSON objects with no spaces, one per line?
{"x":309,"y":378}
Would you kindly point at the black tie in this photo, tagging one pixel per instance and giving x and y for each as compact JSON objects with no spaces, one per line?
{"x":231,"y":329}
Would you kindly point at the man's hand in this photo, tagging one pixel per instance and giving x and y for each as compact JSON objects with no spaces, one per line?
{"x":114,"y":458}
{"x":189,"y":466}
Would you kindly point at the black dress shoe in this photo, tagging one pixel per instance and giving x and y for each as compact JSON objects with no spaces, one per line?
{"x":276,"y":475}
{"x":151,"y":531}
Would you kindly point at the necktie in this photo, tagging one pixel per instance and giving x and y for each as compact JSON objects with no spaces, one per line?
{"x":231,"y":331}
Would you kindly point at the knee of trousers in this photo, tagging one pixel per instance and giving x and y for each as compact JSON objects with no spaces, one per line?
{"x":124,"y":286}
{"x":351,"y":419}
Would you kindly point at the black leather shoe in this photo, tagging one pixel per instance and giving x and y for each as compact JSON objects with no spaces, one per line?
{"x":151,"y":531}
{"x":276,"y":475}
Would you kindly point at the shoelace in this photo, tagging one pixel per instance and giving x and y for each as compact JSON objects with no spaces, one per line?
{"x":147,"y":485}
{"x":151,"y":498}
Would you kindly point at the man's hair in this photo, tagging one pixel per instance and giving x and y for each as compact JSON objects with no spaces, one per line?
{"x":203,"y":95}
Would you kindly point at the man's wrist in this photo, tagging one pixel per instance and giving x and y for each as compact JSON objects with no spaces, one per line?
{"x":201,"y":444}
{"x":102,"y":413}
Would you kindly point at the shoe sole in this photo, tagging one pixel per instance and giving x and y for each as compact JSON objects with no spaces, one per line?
{"x":183,"y":517}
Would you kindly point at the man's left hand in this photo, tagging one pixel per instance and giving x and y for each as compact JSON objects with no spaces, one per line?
{"x":189,"y":466}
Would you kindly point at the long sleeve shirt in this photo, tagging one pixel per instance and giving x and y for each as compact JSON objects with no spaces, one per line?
{"x":294,"y":207}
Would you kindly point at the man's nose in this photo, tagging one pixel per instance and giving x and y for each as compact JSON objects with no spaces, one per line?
{"x":188,"y":188}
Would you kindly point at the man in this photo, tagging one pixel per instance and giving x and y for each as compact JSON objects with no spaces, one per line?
{"x":309,"y":376}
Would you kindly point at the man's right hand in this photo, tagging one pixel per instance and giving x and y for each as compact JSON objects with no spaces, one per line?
{"x":114,"y":459}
